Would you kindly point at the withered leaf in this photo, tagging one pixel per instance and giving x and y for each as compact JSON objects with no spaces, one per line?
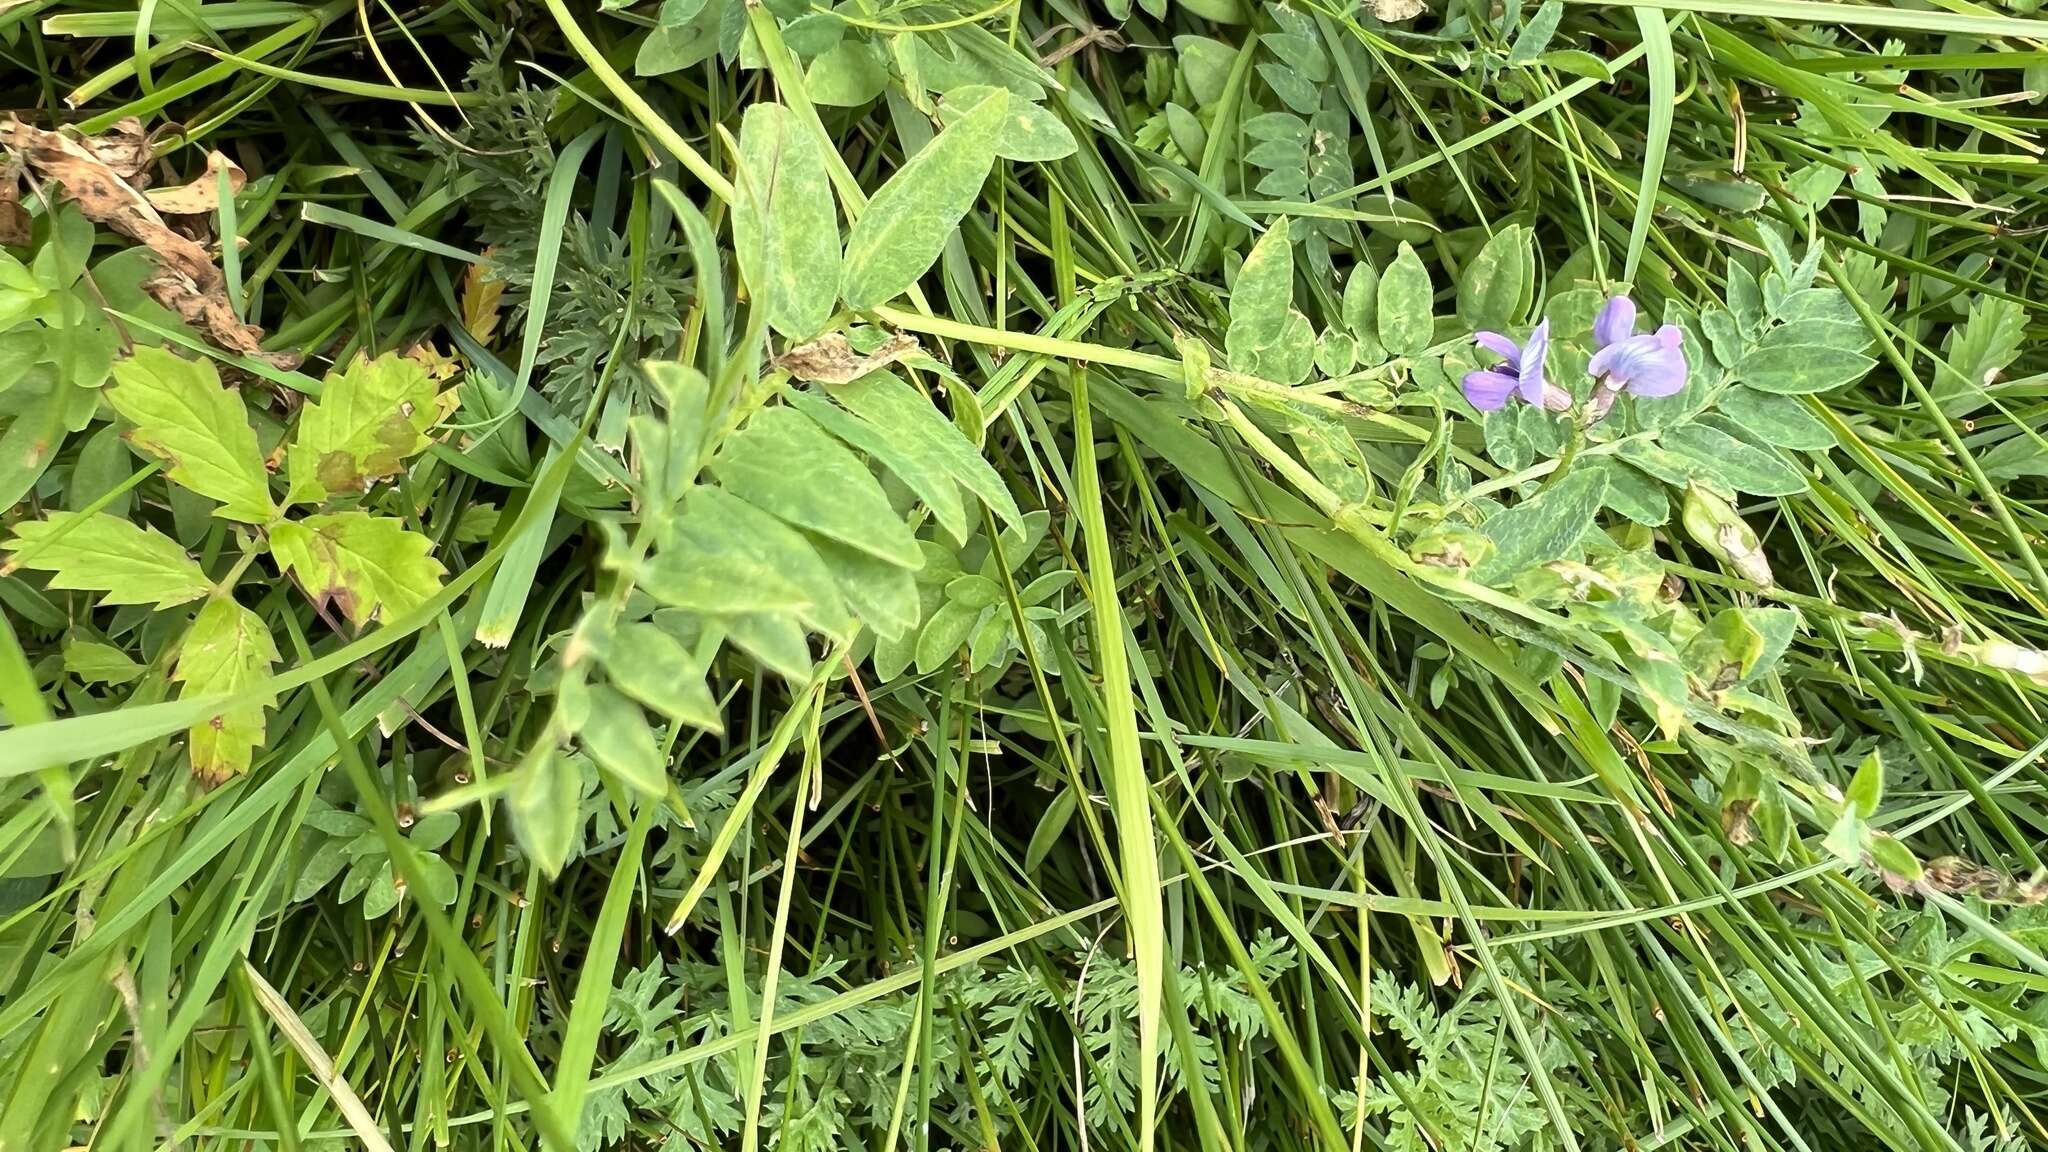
{"x":99,"y":174}
{"x":832,"y":359}
{"x":202,"y":194}
{"x":481,"y":293}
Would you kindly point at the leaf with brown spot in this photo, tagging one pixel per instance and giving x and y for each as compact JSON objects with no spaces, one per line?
{"x":227,"y":650}
{"x":362,"y":564}
{"x":832,"y":359}
{"x":370,"y":418}
{"x":202,"y":194}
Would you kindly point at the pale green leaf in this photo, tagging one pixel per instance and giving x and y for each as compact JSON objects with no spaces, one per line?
{"x":183,"y":416}
{"x":96,"y":663}
{"x":616,"y":735}
{"x":1493,"y":287}
{"x":653,"y":667}
{"x":784,"y":464}
{"x":1800,"y":368}
{"x":546,"y":805}
{"x":725,"y":556}
{"x":910,"y":420}
{"x":1267,"y":336}
{"x":1029,"y":133}
{"x":784,"y":226}
{"x":126,"y":563}
{"x":367,"y":566}
{"x":1721,"y":459}
{"x":909,"y":220}
{"x":1775,"y":419}
{"x":1543,"y":528}
{"x":370,"y":418}
{"x":919,"y":472}
{"x":227,"y":650}
{"x":1405,"y":316}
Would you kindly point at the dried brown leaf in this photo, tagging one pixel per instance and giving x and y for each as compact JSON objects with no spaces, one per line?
{"x":481,"y":294}
{"x":96,"y":173}
{"x":831,"y":359}
{"x":202,"y":195}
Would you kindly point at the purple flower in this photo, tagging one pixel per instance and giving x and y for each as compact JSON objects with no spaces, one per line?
{"x":1517,"y":372}
{"x":1652,"y":364}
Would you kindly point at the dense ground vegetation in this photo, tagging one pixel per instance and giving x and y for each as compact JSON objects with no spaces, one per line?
{"x":1206,"y":574}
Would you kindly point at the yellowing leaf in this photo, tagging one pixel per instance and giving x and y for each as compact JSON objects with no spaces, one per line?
{"x":183,"y":416}
{"x":125,"y":562}
{"x":369,"y":419}
{"x":481,"y":294}
{"x":227,"y":650}
{"x":358,"y":562}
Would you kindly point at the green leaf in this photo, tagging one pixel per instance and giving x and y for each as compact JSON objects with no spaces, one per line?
{"x":1267,"y":337}
{"x":616,"y":735}
{"x":882,"y":594}
{"x":905,"y":416}
{"x":1492,"y":288}
{"x":1206,"y":65}
{"x":775,"y":640}
{"x":1801,"y":368}
{"x":126,"y":563}
{"x":848,"y":75}
{"x":1866,"y":788}
{"x":97,"y":663}
{"x":1633,"y":494}
{"x":1405,"y":308}
{"x":1722,"y":654}
{"x":679,"y":43}
{"x":908,"y":221}
{"x":370,"y":418}
{"x":1721,"y":459}
{"x":184,"y":417}
{"x":920,"y":473}
{"x":784,"y":464}
{"x":653,"y":667}
{"x":1362,"y":311}
{"x":1976,"y":352}
{"x":725,"y":556}
{"x":546,"y":805}
{"x":1775,"y":419}
{"x":784,"y":226}
{"x":1535,"y":35}
{"x":227,"y":650}
{"x":1030,"y":133}
{"x":367,"y":566}
{"x":1543,"y":528}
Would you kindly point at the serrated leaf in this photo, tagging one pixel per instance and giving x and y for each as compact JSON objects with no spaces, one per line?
{"x":1405,"y":314}
{"x":1802,"y":368}
{"x":725,"y":556}
{"x":784,"y":225}
{"x":367,"y":566}
{"x":907,"y":417}
{"x":226,"y":650}
{"x":1267,"y":337}
{"x":908,"y":221}
{"x":370,"y":418}
{"x":1493,"y":286}
{"x":1543,"y":528}
{"x":126,"y":563}
{"x":183,"y":416}
{"x":784,"y":464}
{"x":96,"y":663}
{"x":1976,"y":352}
{"x":616,"y":735}
{"x":653,"y":667}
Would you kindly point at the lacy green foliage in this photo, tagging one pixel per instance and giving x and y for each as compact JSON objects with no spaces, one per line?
{"x":965,"y":534}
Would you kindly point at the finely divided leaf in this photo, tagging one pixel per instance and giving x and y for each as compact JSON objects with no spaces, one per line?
{"x":785,"y":229}
{"x":184,"y":417}
{"x":369,"y":420}
{"x":784,"y":464}
{"x":125,"y":562}
{"x":908,"y":222}
{"x":226,"y":650}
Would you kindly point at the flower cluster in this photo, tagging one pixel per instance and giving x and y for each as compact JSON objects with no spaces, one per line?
{"x":1649,"y":364}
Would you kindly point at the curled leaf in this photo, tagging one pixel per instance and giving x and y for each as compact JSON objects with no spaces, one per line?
{"x":832,"y":359}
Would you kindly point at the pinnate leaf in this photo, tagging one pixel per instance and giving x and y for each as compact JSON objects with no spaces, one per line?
{"x":183,"y":416}
{"x":125,"y":562}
